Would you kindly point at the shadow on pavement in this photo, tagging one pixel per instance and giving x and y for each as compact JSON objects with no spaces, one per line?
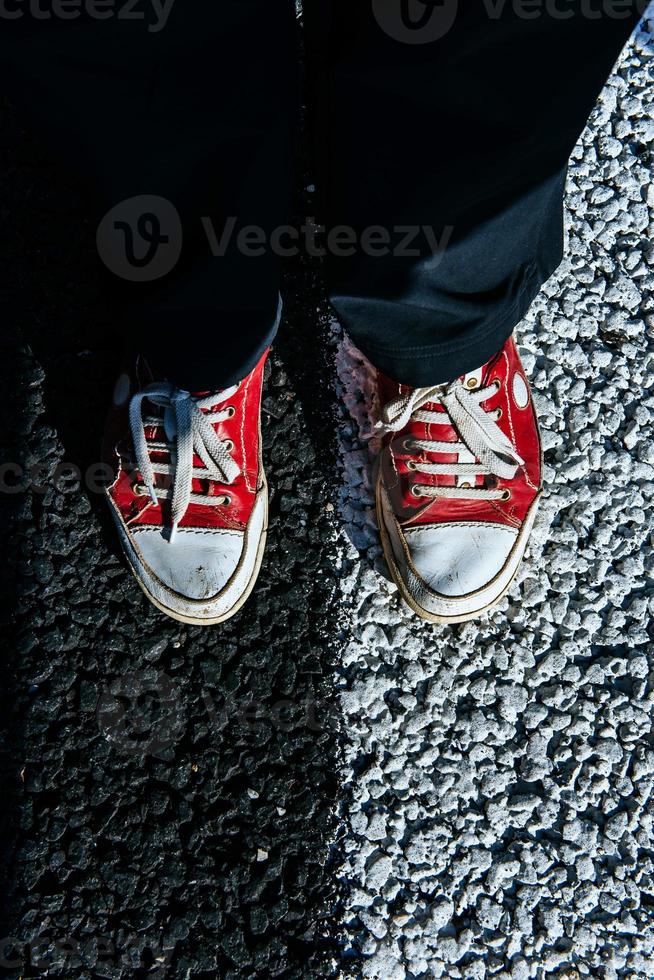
{"x":169,"y":791}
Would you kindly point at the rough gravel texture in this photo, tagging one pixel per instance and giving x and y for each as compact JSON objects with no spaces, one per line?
{"x":499,"y":774}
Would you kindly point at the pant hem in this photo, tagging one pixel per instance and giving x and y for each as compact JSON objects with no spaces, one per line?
{"x":441,"y":363}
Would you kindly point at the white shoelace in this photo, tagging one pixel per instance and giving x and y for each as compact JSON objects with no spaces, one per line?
{"x":188,"y":431}
{"x":483,"y":449}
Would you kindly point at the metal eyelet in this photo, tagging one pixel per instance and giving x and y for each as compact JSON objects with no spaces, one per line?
{"x":498,"y":384}
{"x":411,"y":465}
{"x":229,"y":445}
{"x":465,"y":486}
{"x":407,"y":445}
{"x":140,"y":490}
{"x":499,"y":414}
{"x":231,"y":411}
{"x":226,"y":500}
{"x":415,"y":491}
{"x":506,"y":495}
{"x":471,"y":383}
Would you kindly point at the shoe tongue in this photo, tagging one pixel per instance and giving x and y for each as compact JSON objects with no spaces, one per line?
{"x":142,"y":372}
{"x":487,"y":366}
{"x":477,"y":372}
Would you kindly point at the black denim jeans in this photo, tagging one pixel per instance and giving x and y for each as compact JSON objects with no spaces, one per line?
{"x":441,"y":130}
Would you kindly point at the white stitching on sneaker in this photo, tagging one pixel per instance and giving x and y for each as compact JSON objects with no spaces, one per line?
{"x":477,"y":429}
{"x":189,"y":431}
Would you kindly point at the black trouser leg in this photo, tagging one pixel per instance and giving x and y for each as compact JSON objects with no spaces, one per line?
{"x":201,"y":113}
{"x":468,"y":135}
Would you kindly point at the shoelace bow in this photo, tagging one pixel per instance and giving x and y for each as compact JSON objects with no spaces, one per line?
{"x":483,"y":449}
{"x":189,"y":432}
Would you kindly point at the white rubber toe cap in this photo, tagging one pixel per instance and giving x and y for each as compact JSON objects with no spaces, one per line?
{"x":452,"y":572}
{"x":197,"y":564}
{"x":205,"y":575}
{"x":459,"y":558}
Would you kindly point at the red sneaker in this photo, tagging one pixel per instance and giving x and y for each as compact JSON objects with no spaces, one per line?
{"x":189,"y":495}
{"x":458,"y":486}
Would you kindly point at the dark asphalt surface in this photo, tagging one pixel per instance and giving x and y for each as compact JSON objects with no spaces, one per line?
{"x":168,"y":792}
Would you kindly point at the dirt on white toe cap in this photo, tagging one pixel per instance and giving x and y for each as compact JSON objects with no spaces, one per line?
{"x":456,"y":559}
{"x":197,"y":565}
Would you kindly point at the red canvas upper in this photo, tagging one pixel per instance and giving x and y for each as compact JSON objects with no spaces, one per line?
{"x":517,"y":423}
{"x":241,"y":428}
